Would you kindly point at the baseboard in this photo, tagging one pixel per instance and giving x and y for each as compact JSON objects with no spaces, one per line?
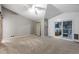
{"x":9,"y":39}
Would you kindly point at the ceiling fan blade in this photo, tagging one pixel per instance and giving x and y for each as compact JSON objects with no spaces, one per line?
{"x":40,"y":8}
{"x":36,"y":12}
{"x":28,"y":6}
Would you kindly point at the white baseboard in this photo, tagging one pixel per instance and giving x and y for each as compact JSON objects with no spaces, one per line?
{"x":4,"y":40}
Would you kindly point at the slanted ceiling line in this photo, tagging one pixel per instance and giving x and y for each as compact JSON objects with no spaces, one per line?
{"x":10,"y":10}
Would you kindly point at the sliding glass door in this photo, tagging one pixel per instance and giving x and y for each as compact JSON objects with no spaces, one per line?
{"x":67,"y":29}
{"x":63,"y":29}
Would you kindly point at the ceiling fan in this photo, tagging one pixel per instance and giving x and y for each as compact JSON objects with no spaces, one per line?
{"x":36,"y":8}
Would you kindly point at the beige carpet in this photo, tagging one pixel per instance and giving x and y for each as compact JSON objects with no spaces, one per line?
{"x":37,"y":45}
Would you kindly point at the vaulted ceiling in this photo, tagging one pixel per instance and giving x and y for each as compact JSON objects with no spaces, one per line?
{"x":67,"y":7}
{"x":30,"y":11}
{"x":51,"y":11}
{"x":40,"y":11}
{"x":57,"y":9}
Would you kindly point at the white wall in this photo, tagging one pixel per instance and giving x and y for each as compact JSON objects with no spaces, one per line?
{"x":14,"y":24}
{"x":74,"y":16}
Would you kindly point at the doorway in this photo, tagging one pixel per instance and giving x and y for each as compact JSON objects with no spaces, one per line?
{"x":38,"y":28}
